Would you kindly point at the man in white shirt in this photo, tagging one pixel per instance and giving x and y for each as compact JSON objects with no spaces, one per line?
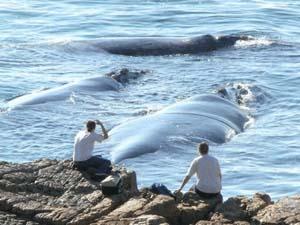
{"x":84,"y":145}
{"x":208,"y":173}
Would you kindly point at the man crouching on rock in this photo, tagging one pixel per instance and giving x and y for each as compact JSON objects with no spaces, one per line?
{"x":208,"y":173}
{"x":83,"y":150}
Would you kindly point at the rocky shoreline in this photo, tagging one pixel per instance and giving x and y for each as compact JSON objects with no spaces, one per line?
{"x":50,"y":192}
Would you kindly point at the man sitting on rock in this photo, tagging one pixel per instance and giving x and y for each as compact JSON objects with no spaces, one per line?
{"x":84,"y":146}
{"x":208,"y":173}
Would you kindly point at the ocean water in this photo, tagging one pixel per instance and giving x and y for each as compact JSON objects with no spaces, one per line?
{"x":45,"y":44}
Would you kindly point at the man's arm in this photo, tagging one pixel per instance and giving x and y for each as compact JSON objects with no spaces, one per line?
{"x":105,"y":134}
{"x":185,"y":180}
{"x":219,"y":170}
{"x":190,"y":173}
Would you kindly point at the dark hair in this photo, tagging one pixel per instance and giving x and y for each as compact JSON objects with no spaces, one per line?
{"x":203,"y":148}
{"x":90,"y":125}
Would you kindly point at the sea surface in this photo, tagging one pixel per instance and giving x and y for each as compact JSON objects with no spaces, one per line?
{"x":41,"y":47}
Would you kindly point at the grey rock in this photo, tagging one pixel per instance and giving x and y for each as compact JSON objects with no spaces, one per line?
{"x":50,"y":192}
{"x":141,"y":220}
{"x":161,"y":205}
{"x":234,"y":209}
{"x":241,"y":208}
{"x":285,"y":211}
{"x":194,"y":208}
{"x":11,"y":219}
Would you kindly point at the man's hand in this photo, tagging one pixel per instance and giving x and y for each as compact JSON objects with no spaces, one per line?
{"x":98,"y":122}
{"x":105,"y":135}
{"x":177,"y":191}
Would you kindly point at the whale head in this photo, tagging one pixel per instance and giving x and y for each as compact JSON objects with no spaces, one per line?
{"x":204,"y":43}
{"x":125,"y":75}
{"x":229,"y":40}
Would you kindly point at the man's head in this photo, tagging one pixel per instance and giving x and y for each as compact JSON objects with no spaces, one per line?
{"x":203,"y":148}
{"x":90,"y":125}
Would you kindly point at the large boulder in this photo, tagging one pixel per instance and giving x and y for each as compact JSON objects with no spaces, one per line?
{"x":240,"y":208}
{"x":104,"y":207}
{"x":194,"y":208}
{"x":258,"y":202}
{"x":129,"y":208}
{"x":285,"y":211}
{"x":160,"y":205}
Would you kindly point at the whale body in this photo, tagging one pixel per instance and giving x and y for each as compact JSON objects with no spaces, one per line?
{"x":165,"y":46}
{"x":63,"y":92}
{"x":110,"y":82}
{"x":202,"y":117}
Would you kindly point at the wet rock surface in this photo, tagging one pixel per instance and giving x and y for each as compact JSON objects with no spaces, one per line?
{"x":51,"y":192}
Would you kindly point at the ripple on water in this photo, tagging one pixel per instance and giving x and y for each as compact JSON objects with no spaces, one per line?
{"x":38,"y":50}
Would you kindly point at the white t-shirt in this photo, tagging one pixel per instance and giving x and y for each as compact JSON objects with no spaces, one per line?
{"x":84,"y":144}
{"x":208,"y":173}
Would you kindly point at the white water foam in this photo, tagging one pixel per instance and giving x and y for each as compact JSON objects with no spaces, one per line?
{"x":255,"y":42}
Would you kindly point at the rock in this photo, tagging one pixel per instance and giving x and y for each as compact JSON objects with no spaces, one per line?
{"x":161,"y":205}
{"x":205,"y":222}
{"x":59,"y":216}
{"x":50,"y":192}
{"x":150,"y":220}
{"x":241,"y":208}
{"x":194,"y":208}
{"x":129,"y":208}
{"x":141,"y":220}
{"x":258,"y":202}
{"x":8,"y":200}
{"x":233,"y":209}
{"x":104,"y":207}
{"x":192,"y":198}
{"x":129,"y":181}
{"x":241,"y":223}
{"x":29,"y":208}
{"x":11,"y":219}
{"x":285,"y":211}
{"x":192,"y":214}
{"x":221,"y":222}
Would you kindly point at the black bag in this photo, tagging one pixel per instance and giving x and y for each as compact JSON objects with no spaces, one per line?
{"x":112,"y":185}
{"x":161,"y":189}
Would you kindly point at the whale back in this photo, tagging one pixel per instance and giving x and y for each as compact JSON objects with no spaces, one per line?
{"x":165,"y":46}
{"x":142,"y":46}
{"x":97,"y":84}
{"x":206,"y":117}
{"x":40,"y":97}
{"x":63,"y":92}
{"x":158,"y":46}
{"x":203,"y":43}
{"x":212,"y":106}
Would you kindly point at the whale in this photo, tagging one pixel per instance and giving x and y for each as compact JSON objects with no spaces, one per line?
{"x":206,"y":117}
{"x":112,"y":81}
{"x":165,"y":46}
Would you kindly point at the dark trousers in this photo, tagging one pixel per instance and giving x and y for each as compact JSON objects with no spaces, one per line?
{"x":95,"y":164}
{"x":206,"y":195}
